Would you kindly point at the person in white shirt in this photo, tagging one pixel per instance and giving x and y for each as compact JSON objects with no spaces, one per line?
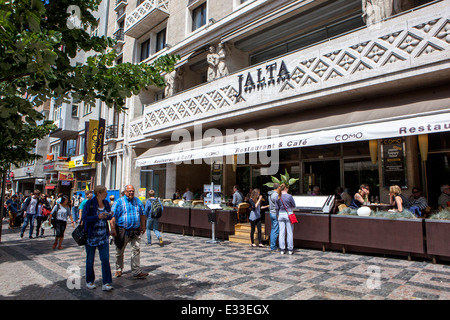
{"x":188,"y":195}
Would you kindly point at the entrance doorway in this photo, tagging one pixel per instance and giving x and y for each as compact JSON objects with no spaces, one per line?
{"x":324,"y":174}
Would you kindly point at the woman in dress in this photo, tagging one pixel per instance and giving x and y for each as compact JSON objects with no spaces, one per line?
{"x":96,"y":213}
{"x":62,"y":213}
{"x":284,"y":206}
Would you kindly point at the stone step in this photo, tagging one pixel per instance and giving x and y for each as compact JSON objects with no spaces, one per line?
{"x":242,"y":234}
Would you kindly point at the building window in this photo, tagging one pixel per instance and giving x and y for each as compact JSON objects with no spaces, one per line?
{"x":145,"y":50}
{"x":57,"y":111}
{"x":81,"y":146}
{"x":75,"y":103}
{"x":160,"y":40}
{"x":112,"y":181}
{"x":87,"y":109}
{"x":199,"y":16}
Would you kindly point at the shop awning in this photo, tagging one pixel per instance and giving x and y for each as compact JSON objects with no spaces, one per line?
{"x":396,"y":117}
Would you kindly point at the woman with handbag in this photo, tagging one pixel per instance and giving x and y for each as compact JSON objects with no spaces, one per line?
{"x":61,"y":213}
{"x":285,"y":210}
{"x":96,"y":213}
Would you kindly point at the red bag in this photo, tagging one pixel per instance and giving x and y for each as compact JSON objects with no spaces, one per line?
{"x":292,"y":216}
{"x":46,"y":212}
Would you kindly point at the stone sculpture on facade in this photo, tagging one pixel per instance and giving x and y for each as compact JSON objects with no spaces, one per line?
{"x":217,"y":61}
{"x":377,"y":10}
{"x":222,"y":53}
{"x":213,"y":60}
{"x":173,"y":82}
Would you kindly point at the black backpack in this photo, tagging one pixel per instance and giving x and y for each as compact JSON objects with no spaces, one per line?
{"x":156,"y":209}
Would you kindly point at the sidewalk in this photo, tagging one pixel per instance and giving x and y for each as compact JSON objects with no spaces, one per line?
{"x":189,"y":268}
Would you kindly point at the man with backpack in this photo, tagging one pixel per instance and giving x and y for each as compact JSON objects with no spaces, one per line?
{"x":30,"y":209}
{"x":153,"y":211}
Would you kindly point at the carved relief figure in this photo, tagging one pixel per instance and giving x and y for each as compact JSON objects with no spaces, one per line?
{"x":222,"y":53}
{"x":213,"y":61}
{"x":377,"y":10}
{"x":173,"y":82}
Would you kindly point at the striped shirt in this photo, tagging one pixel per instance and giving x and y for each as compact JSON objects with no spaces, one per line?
{"x":127,"y":213}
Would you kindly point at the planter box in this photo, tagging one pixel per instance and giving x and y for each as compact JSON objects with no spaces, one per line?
{"x":225,"y":222}
{"x":438,"y":237}
{"x":396,"y":235}
{"x":311,"y":228}
{"x":175,"y":219}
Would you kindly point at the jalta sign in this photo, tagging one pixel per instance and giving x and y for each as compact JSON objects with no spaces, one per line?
{"x":260,"y":78}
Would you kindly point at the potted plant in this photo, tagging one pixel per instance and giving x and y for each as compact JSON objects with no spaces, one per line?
{"x":175,"y":218}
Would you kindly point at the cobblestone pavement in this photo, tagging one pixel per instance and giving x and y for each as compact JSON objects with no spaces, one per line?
{"x":189,"y":268}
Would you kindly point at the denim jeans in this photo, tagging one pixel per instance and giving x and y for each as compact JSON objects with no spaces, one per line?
{"x":286,"y":231}
{"x":274,"y":231}
{"x":103,"y":251}
{"x":75,"y":214}
{"x":29,"y":218}
{"x":152,"y":222}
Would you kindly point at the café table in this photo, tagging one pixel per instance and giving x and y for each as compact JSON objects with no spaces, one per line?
{"x":380,"y":206}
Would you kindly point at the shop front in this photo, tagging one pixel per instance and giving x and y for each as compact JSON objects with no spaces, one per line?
{"x":83,"y":174}
{"x":346,"y":145}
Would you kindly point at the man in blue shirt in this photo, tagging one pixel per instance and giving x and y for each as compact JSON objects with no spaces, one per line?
{"x":127,"y":225}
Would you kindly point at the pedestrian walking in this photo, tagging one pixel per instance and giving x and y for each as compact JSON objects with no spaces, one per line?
{"x":96,"y":214}
{"x":275,"y":229}
{"x":127,"y":225}
{"x":30,"y":207}
{"x":62,"y":213}
{"x":13,"y":209}
{"x":153,"y":211}
{"x":284,"y":206}
{"x":41,"y":217}
{"x":76,"y":201}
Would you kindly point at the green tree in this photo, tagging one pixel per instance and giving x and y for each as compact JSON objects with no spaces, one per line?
{"x":37,"y":43}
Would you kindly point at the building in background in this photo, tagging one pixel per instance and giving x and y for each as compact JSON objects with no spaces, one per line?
{"x":348,"y":86}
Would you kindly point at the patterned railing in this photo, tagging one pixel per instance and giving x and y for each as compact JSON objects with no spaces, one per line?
{"x":395,"y":48}
{"x":143,"y":9}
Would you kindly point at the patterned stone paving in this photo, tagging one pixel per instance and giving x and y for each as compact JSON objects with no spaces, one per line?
{"x":189,"y":268}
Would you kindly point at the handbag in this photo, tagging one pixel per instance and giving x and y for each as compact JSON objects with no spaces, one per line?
{"x":292,"y":216}
{"x":79,"y":235}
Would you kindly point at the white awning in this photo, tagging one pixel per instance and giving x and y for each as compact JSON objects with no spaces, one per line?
{"x":272,"y":139}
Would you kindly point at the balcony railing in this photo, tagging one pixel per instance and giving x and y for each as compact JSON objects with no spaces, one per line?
{"x":119,"y":34}
{"x":393,"y":50}
{"x":112,"y":132}
{"x":145,"y":17}
{"x":120,"y":4}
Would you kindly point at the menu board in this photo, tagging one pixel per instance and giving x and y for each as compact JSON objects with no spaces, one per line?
{"x":393,"y":161}
{"x":314,"y":203}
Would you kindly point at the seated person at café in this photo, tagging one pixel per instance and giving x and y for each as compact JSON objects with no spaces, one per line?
{"x":344,"y":196}
{"x":417,"y":202}
{"x":360,"y":197}
{"x":444,"y":198}
{"x":398,"y":200}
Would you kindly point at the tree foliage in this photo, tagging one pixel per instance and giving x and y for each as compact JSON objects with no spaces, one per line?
{"x":36,"y":48}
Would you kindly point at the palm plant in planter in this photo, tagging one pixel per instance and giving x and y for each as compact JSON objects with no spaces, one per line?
{"x":284,"y":178}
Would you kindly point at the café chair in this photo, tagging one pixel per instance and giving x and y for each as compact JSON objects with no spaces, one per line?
{"x":197,"y":202}
{"x":242,"y":212}
{"x":341,"y":207}
{"x":176,"y":201}
{"x":168,"y":200}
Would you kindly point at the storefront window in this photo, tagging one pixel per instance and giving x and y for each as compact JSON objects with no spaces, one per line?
{"x":359,"y":171}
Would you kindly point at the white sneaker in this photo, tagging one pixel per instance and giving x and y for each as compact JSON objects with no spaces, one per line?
{"x":107,"y":287}
{"x":282,"y":252}
{"x":90,"y":285}
{"x":291,"y":252}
